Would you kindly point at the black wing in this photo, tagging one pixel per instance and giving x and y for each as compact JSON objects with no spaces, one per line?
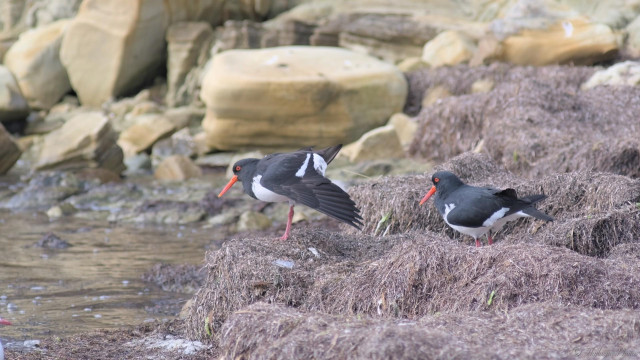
{"x":312,"y":189}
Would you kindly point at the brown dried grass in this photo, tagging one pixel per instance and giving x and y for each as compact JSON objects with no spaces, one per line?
{"x":536,"y":121}
{"x":403,"y":276}
{"x":594,"y":211}
{"x":543,"y":330}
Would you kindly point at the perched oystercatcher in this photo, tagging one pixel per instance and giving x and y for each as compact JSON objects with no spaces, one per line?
{"x":476,"y":211}
{"x":297,"y":178}
{"x":3,"y":322}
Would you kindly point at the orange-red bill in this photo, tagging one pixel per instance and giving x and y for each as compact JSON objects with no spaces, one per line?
{"x":229,"y":185}
{"x":4,"y":322}
{"x":426,"y":197}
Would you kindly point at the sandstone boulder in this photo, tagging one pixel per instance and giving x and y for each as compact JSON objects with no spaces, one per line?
{"x":112,"y":47}
{"x":188,"y":45}
{"x":84,"y":141}
{"x":177,"y":167}
{"x":9,"y":151}
{"x":624,"y":73}
{"x":35,"y":63}
{"x":380,"y":143}
{"x":448,"y":48}
{"x":147,"y":129}
{"x":13,"y":106}
{"x":287,"y":97}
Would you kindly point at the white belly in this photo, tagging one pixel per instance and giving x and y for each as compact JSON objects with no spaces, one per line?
{"x":265,"y":194}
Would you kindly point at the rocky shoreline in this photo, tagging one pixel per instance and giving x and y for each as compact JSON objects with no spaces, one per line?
{"x":131,"y":114}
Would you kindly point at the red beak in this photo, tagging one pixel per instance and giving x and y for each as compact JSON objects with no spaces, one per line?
{"x":229,"y":185}
{"x":426,"y":197}
{"x":4,"y":322}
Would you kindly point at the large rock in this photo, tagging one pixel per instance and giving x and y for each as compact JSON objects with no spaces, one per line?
{"x":291,"y":96}
{"x":448,"y":48}
{"x":35,"y":62}
{"x":114,"y":46}
{"x":177,"y":167}
{"x":188,"y":46}
{"x":380,"y":143}
{"x":9,"y":151}
{"x":13,"y":106}
{"x":86,"y":140}
{"x":146,"y":130}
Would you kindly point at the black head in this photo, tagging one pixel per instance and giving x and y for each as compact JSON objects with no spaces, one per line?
{"x":444,"y":182}
{"x":245,"y":168}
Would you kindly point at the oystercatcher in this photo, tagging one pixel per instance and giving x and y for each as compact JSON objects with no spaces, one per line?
{"x":3,"y":322}
{"x":476,"y":211}
{"x":297,"y":178}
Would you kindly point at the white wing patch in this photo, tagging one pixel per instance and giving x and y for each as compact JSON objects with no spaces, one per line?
{"x":303,"y":168}
{"x":496,"y":215}
{"x":319,"y":164}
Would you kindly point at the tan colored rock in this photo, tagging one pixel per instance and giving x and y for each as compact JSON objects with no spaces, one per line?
{"x":35,"y":63}
{"x":576,"y":40}
{"x":253,"y":220}
{"x":114,"y":46}
{"x":632,"y":44}
{"x":405,"y":128}
{"x":84,"y":141}
{"x":177,"y":167}
{"x":13,"y":106}
{"x":448,"y":48}
{"x":412,"y":64}
{"x":292,"y":96}
{"x":147,"y":129}
{"x":379,"y":143}
{"x":9,"y":151}
{"x":434,"y":94}
{"x":624,"y":73}
{"x":189,"y":44}
{"x":482,"y":86}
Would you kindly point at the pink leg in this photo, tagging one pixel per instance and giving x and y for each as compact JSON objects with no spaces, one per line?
{"x":288,"y":229}
{"x":489,"y":238}
{"x":478,"y":243}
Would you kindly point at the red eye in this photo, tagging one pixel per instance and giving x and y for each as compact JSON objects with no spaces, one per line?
{"x":436,"y":180}
{"x":238,"y":167}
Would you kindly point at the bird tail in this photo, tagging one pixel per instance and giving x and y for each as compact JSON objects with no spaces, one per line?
{"x":532,"y":211}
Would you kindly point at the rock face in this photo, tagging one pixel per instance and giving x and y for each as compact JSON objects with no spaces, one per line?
{"x":292,"y":96}
{"x":9,"y":151}
{"x":35,"y":63}
{"x":188,"y":46}
{"x":13,"y":106}
{"x":86,"y":140}
{"x":113,"y":46}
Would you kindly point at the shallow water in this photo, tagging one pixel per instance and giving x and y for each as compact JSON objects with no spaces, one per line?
{"x":95,"y":283}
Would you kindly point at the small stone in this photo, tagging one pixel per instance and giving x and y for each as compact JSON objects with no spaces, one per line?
{"x":225,"y":218}
{"x":146,"y":130}
{"x":448,"y":48}
{"x":412,"y":64}
{"x":379,"y":143}
{"x":252,"y":220}
{"x":138,"y":163}
{"x":52,"y":241}
{"x":177,"y":167}
{"x":405,"y":128}
{"x":434,"y":94}
{"x":482,"y":86}
{"x":61,"y":210}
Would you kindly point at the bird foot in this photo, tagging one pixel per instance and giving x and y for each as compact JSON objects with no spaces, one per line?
{"x":478,"y":244}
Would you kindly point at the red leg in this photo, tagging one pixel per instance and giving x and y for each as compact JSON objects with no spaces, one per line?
{"x":478,"y":244}
{"x":288,"y":229}
{"x":489,"y":238}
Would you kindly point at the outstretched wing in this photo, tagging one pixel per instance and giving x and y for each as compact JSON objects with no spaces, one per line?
{"x":299,"y":179}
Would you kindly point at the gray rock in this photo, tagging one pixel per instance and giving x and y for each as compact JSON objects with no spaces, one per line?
{"x":13,"y":105}
{"x":45,"y":190}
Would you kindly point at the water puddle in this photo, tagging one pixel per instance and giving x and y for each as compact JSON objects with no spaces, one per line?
{"x":94,"y":283}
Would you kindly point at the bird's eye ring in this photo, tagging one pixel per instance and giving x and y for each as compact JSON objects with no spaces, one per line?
{"x":436,"y":180}
{"x":238,"y":167}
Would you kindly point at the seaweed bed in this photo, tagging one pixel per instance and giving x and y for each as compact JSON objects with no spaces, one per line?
{"x":408,"y":286}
